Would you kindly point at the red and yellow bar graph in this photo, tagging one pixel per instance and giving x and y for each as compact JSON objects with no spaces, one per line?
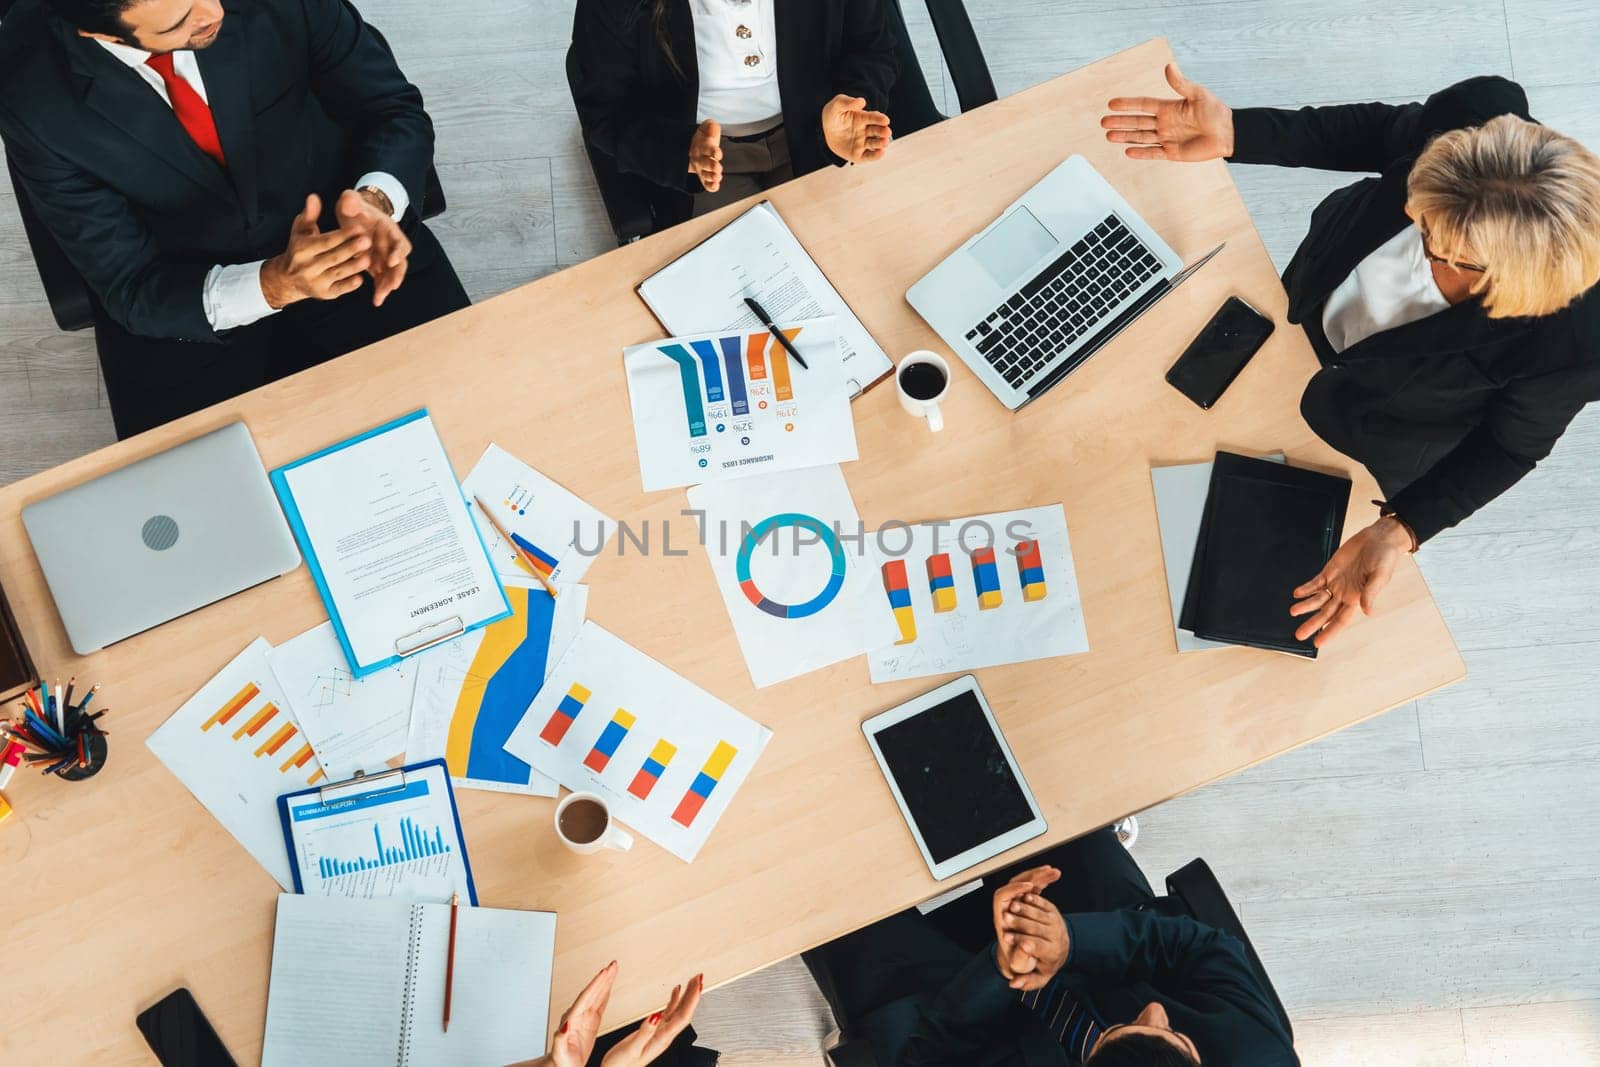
{"x":694,"y":799}
{"x":1030,"y":568}
{"x":270,"y":746}
{"x":941,"y":583}
{"x":986,"y":578}
{"x":565,"y":715}
{"x":610,"y":738}
{"x":232,"y":707}
{"x":898,"y":586}
{"x":654,"y":765}
{"x":254,"y":723}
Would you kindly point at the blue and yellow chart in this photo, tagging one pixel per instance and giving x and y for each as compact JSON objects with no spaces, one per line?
{"x":736,"y":404}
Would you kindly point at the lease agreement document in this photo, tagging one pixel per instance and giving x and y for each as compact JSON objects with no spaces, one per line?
{"x":757,"y":255}
{"x":390,"y":542}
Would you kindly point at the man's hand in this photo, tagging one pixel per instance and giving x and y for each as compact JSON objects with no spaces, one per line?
{"x":657,"y":1033}
{"x":853,"y":133}
{"x":574,"y":1041}
{"x":315,"y":265}
{"x":1195,"y":127}
{"x":1013,"y":961}
{"x":1040,"y":933}
{"x":362,"y":213}
{"x":1351,"y":581}
{"x":705,"y":155}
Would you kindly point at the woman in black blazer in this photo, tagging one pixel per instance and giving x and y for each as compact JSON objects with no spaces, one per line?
{"x":1451,"y":299}
{"x":718,"y":99}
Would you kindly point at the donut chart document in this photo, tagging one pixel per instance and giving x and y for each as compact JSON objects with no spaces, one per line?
{"x":788,"y":554}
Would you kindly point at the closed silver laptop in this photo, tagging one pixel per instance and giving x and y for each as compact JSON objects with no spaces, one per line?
{"x":161,"y":537}
{"x":1062,"y":271}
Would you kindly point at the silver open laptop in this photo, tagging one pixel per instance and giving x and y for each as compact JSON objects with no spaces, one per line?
{"x":1059,"y":273}
{"x":161,"y":537}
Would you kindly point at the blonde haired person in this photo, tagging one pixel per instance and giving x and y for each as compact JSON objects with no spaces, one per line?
{"x":1450,"y":297}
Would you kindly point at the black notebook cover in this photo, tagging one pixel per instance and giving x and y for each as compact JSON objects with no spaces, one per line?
{"x":16,"y":668}
{"x":1267,"y":528}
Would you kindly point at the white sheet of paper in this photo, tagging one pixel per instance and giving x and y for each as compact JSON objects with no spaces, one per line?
{"x":471,"y":693}
{"x":355,"y":724}
{"x":385,"y":843}
{"x":391,"y":532}
{"x":667,"y":756}
{"x":798,"y":587}
{"x":710,"y":407}
{"x":565,"y":534}
{"x":236,"y":746}
{"x":757,"y":255}
{"x":1181,"y":492}
{"x":966,"y":635}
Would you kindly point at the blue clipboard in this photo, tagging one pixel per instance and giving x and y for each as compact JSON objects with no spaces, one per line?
{"x":368,"y":786}
{"x":291,"y":510}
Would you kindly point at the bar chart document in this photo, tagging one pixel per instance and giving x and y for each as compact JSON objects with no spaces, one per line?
{"x":667,"y":756}
{"x":392,"y":840}
{"x":470,"y":694}
{"x":558,"y":530}
{"x":758,"y":256}
{"x":735,"y":404}
{"x":788,"y":556}
{"x":236,"y":746}
{"x":974,"y":592}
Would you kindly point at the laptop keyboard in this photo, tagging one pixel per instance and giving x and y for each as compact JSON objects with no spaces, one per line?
{"x":1068,"y":299}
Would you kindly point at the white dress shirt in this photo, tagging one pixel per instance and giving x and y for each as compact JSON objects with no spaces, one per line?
{"x":232,"y":294}
{"x":1393,"y":286}
{"x":736,"y":46}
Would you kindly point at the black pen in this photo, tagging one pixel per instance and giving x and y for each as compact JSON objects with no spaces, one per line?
{"x":766,"y":320}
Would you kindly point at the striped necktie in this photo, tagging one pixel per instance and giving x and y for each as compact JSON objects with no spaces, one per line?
{"x":1066,"y":1017}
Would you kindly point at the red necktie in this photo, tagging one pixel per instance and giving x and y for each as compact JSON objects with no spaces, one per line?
{"x":192,"y":111}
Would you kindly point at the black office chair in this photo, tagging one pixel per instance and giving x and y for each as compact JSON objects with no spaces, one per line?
{"x":638,"y":207}
{"x":1192,"y":890}
{"x":70,"y":300}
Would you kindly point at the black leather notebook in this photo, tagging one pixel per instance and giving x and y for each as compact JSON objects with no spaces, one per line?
{"x":1267,"y":528}
{"x":16,"y":668}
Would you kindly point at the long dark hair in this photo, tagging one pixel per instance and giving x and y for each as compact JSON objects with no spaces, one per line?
{"x":660,"y":15}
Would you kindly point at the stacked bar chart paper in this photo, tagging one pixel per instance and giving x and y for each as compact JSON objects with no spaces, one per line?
{"x":667,"y":756}
{"x":999,"y":588}
{"x":562,"y":534}
{"x":471,"y":692}
{"x":237,"y":747}
{"x":733,"y":405}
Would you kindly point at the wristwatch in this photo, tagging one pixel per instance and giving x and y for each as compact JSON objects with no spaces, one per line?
{"x":380,"y":196}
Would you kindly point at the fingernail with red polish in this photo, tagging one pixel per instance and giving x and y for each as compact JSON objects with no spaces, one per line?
{"x":654,"y":1018}
{"x":563,"y":1029}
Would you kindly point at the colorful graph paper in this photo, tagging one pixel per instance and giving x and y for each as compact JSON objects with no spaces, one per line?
{"x":565,"y":715}
{"x":232,"y":707}
{"x":1030,"y":569}
{"x":704,"y":782}
{"x":941,"y":583}
{"x":612,"y":736}
{"x":654,"y":764}
{"x":415,"y":845}
{"x":986,"y":578}
{"x":898,"y":586}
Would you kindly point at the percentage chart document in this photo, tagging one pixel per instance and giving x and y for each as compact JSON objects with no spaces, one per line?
{"x":977,"y":592}
{"x":385,"y":840}
{"x":788,"y":556}
{"x":546,"y":520}
{"x":667,"y":756}
{"x":470,"y":694}
{"x":734,"y":404}
{"x":354,"y":724}
{"x":236,"y":746}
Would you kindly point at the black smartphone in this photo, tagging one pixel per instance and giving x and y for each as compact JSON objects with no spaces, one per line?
{"x":180,"y":1035}
{"x":1214,"y":359}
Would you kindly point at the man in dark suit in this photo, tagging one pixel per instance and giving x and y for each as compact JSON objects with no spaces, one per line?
{"x":1071,"y":961}
{"x":239,"y":182}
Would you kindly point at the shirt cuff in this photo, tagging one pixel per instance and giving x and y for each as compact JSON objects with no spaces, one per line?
{"x":232,"y":296}
{"x":391,"y":187}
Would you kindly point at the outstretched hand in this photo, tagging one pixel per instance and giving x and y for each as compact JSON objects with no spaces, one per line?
{"x":1349,"y":585}
{"x":705,"y":155}
{"x":1195,"y":127}
{"x":657,"y":1033}
{"x":853,"y":133}
{"x":580,"y":1026}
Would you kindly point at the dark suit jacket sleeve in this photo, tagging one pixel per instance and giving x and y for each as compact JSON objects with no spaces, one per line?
{"x":1367,"y":137}
{"x":867,"y":65}
{"x":957,"y":1025}
{"x":359,"y":85}
{"x":1520,"y":427}
{"x":603,"y":72}
{"x":143,"y":289}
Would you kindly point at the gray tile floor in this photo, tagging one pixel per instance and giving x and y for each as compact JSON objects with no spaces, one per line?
{"x":1422,"y":887}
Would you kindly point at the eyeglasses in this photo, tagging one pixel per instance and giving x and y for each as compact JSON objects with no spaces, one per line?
{"x":1432,"y":257}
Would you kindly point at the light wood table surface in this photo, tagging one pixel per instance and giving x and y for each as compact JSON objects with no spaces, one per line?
{"x":123,"y":887}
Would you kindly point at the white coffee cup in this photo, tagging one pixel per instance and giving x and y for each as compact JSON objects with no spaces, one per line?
{"x":610,"y":836}
{"x":923,"y":407}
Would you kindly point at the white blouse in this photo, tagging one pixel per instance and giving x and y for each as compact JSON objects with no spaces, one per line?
{"x":1393,"y":286}
{"x":736,"y":46}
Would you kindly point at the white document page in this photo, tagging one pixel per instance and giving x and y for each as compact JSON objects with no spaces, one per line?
{"x":354,"y":724}
{"x":757,"y":255}
{"x":338,"y":983}
{"x":396,"y":544}
{"x":562,"y":532}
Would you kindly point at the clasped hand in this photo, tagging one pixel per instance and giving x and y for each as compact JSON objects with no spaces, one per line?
{"x":1031,"y":937}
{"x":580,"y":1026}
{"x":318,"y":265}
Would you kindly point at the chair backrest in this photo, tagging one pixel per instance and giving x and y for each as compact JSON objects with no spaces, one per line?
{"x":911,"y":105}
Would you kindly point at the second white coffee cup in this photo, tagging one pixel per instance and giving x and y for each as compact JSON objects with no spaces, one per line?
{"x":585,"y":825}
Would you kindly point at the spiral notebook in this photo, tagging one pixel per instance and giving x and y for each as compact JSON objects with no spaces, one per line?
{"x":361,"y":982}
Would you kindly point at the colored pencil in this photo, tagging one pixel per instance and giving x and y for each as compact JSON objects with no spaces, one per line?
{"x":523,"y":554}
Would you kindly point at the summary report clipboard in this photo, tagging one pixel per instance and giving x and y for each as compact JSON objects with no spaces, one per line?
{"x":757,"y":255}
{"x":395,"y":834}
{"x":390,"y":542}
